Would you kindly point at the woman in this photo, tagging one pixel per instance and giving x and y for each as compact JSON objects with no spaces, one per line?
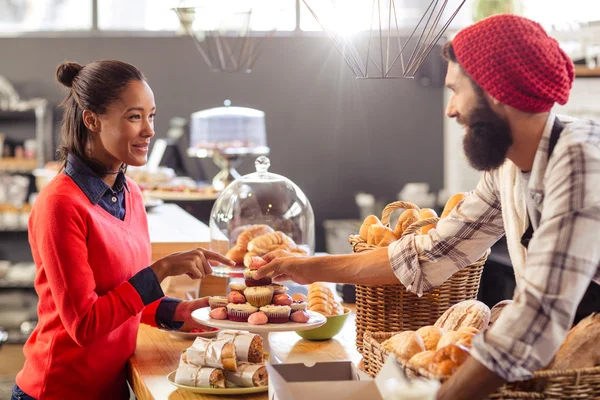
{"x":89,"y":238}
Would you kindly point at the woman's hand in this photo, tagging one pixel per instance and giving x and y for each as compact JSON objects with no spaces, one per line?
{"x":194,"y":263}
{"x":285,"y":266}
{"x":183,"y":313}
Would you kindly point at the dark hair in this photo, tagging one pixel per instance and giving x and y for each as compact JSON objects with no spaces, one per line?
{"x":448,"y":55}
{"x":92,"y":87}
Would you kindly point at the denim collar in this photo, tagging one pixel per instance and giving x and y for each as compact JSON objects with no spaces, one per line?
{"x":91,"y":184}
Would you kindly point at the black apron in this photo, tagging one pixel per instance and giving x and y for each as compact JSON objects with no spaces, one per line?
{"x":590,"y":302}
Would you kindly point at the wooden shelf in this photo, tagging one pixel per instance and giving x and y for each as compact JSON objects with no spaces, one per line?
{"x":583,"y":71}
{"x":18,"y":165}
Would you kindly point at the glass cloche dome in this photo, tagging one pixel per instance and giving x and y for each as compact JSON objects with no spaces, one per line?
{"x":252,"y":201}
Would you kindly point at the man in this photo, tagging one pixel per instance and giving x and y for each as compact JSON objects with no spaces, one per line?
{"x":539,"y":187}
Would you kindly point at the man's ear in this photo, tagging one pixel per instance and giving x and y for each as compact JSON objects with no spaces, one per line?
{"x":91,"y":121}
{"x":496,"y":105}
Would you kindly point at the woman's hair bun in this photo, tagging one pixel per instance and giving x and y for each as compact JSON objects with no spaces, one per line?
{"x":67,"y":71}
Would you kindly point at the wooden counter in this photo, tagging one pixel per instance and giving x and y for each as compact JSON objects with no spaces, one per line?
{"x":157,"y":354}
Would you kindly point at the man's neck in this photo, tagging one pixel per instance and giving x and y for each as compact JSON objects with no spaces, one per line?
{"x":527,"y":130}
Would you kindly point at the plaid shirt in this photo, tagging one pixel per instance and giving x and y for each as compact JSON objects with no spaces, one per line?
{"x":563,"y":255}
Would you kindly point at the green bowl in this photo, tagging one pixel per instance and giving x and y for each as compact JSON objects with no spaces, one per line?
{"x":332,"y":327}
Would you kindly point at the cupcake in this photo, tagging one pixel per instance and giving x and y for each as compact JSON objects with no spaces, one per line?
{"x":277,"y":314}
{"x":259,"y":296}
{"x":240,"y":312}
{"x":299,"y":305}
{"x":279,"y":289}
{"x":237,"y":287}
{"x":217,"y":301}
{"x":249,"y":277}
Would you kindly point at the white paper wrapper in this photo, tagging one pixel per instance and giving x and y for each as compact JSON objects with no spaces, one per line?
{"x":394,"y":385}
{"x":206,"y":352}
{"x":241,"y":340}
{"x":243,"y":375}
{"x":192,"y":375}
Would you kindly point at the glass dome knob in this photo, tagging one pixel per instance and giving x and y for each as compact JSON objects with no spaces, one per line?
{"x":262,"y":164}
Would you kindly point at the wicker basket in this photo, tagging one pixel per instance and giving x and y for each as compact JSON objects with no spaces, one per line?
{"x":390,"y":308}
{"x":583,"y":383}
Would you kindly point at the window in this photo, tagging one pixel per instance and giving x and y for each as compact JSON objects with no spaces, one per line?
{"x":45,"y":15}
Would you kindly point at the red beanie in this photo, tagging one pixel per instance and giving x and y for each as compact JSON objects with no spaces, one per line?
{"x":515,"y":61}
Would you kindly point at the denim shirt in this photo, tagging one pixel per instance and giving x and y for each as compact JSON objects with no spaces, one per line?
{"x":113,"y":201}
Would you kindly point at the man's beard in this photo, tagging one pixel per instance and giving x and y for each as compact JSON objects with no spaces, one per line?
{"x":487,"y":138}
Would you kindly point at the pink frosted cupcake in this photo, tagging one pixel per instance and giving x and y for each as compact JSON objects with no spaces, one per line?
{"x":277,"y":314}
{"x":217,"y":301}
{"x":279,"y":289}
{"x":299,"y":305}
{"x":250,"y":279}
{"x":259,"y":296}
{"x":240,"y":312}
{"x":237,"y":287}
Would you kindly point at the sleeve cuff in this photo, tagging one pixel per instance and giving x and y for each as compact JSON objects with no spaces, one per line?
{"x":146,"y":284}
{"x":405,"y":265}
{"x":165,"y":313}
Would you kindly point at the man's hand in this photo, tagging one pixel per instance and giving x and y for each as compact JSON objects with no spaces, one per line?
{"x":285,"y":266}
{"x":472,"y":381}
{"x":183,"y":313}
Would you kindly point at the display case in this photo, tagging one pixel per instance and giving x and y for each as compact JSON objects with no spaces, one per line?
{"x":262,"y":198}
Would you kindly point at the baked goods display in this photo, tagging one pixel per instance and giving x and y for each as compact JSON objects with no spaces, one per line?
{"x":233,"y":359}
{"x":260,"y":301}
{"x":258,"y":240}
{"x":373,"y":232}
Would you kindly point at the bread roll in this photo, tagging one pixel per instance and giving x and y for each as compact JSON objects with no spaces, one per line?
{"x":466,"y":313}
{"x":447,"y":360}
{"x":459,"y":338}
{"x":407,"y":218}
{"x":431,"y":336}
{"x":252,"y":232}
{"x":405,"y":345}
{"x":421,"y":360}
{"x":497,"y":309}
{"x":452,"y":202}
{"x":364,"y":229}
{"x":376,"y":234}
{"x":468,"y":329}
{"x":424,"y":214}
{"x":388,"y":237}
{"x":580,"y":349}
{"x":236,"y":253}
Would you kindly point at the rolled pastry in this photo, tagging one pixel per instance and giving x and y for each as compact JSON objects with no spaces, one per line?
{"x":248,"y":375}
{"x":248,"y":346}
{"x":193,"y":375}
{"x":219,"y":353}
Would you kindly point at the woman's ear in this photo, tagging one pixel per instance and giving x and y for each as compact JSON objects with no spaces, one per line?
{"x":91,"y":121}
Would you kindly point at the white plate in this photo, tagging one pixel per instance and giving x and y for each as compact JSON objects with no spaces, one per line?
{"x":217,"y":391}
{"x":201,"y":316}
{"x":192,"y":335}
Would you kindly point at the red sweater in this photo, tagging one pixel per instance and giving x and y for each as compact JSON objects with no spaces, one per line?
{"x":88,"y":313}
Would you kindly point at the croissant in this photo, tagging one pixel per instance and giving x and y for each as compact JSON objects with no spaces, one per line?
{"x":252,"y":232}
{"x":236,"y":253}
{"x":269,"y":242}
{"x":248,"y":258}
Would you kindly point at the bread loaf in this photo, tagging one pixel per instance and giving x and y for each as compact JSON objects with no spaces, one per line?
{"x":497,"y":309}
{"x":451,"y":203}
{"x":455,"y":337}
{"x":466,"y":313}
{"x":364,"y":229}
{"x":421,"y":360}
{"x":407,"y":218}
{"x":468,"y":329}
{"x":431,"y":336}
{"x":581,"y":348}
{"x":447,"y":360}
{"x":405,"y":345}
{"x":424,"y":214}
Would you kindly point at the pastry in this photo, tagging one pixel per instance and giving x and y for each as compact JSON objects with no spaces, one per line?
{"x":250,"y":279}
{"x":248,"y":258}
{"x":299,"y":297}
{"x":364,"y":229}
{"x":236,"y":298}
{"x":251,"y":233}
{"x":282,"y":299}
{"x":217,"y":301}
{"x":248,"y":375}
{"x":271,"y":241}
{"x":407,"y":218}
{"x":455,"y":337}
{"x":259,"y":296}
{"x":195,"y":376}
{"x":218,"y":313}
{"x":240,"y":312}
{"x":322,"y":300}
{"x":468,"y":329}
{"x":236,"y":253}
{"x":278,"y":289}
{"x":299,"y":316}
{"x":447,"y":360}
{"x":421,"y":360}
{"x":424,"y":214}
{"x":258,"y":318}
{"x":466,"y":313}
{"x":237,"y":287}
{"x":218,"y":353}
{"x":299,"y":305}
{"x":431,"y":336}
{"x":452,"y":202}
{"x":277,"y":314}
{"x":580,"y":349}
{"x":256,"y":262}
{"x":405,"y":345}
{"x":248,"y":346}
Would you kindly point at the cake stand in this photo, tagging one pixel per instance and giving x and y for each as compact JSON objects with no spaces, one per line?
{"x":315,"y":320}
